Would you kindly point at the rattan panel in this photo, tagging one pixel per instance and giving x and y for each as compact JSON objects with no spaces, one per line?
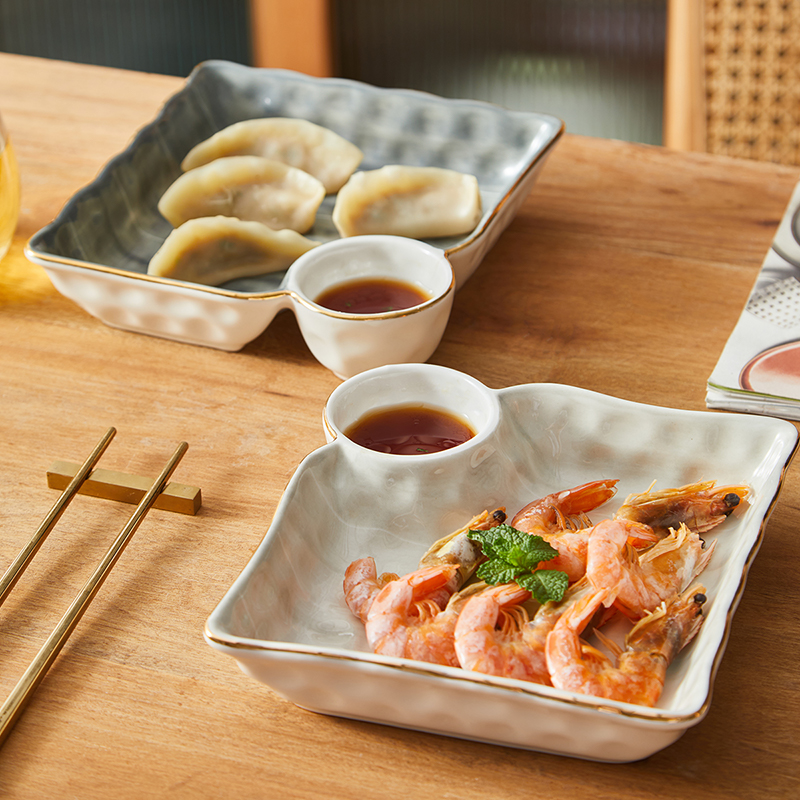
{"x":752,"y":64}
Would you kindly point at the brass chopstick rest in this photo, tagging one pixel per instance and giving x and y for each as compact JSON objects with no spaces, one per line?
{"x":15,"y":703}
{"x":125,"y":488}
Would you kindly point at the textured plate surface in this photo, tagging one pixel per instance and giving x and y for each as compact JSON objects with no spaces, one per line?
{"x":113,"y":227}
{"x":285,"y":621}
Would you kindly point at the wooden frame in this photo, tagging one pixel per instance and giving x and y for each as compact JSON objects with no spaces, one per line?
{"x":292,"y":34}
{"x":684,"y":86}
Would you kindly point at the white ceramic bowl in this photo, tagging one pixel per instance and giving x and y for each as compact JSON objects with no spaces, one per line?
{"x":404,"y":384}
{"x":285,"y":622}
{"x":351,"y":343}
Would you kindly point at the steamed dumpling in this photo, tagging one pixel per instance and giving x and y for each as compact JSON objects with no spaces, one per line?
{"x":418,"y":202}
{"x":296,"y":142}
{"x":247,"y":187}
{"x":214,"y":250}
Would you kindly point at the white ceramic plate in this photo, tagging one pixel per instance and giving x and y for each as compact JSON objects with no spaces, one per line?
{"x":97,"y":250}
{"x":285,"y":621}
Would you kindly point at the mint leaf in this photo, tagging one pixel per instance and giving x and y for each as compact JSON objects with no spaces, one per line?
{"x":513,"y":556}
{"x":515,"y":548}
{"x":545,"y":584}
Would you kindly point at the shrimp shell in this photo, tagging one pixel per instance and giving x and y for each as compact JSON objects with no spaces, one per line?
{"x":700,"y":506}
{"x":638,"y":582}
{"x":457,"y":548}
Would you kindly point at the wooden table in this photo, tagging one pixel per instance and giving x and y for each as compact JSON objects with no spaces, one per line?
{"x":624,"y":272}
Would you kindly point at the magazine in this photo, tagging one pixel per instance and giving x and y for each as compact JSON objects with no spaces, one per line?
{"x":759,"y":369}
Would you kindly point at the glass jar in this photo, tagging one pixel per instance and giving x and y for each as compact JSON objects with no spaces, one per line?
{"x":9,"y":191}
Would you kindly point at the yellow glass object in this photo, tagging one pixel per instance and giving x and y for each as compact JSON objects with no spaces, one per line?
{"x":9,"y":191}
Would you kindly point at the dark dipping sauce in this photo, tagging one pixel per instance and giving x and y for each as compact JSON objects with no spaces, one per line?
{"x":409,"y":431}
{"x":371,"y":296}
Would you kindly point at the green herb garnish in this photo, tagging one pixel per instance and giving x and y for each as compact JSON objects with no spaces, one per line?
{"x":513,"y":555}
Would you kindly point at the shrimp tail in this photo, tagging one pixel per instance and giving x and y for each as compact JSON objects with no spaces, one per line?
{"x":362,"y":584}
{"x":586,"y":497}
{"x":565,"y":510}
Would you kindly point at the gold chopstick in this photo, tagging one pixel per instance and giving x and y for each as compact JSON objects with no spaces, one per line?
{"x":19,"y":564}
{"x":12,"y":708}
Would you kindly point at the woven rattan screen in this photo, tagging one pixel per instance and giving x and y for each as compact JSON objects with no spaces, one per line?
{"x":752,"y":66}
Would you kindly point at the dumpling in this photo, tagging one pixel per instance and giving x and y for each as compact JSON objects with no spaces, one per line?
{"x":296,"y":142}
{"x":247,"y":187}
{"x":418,"y":202}
{"x":213,"y":250}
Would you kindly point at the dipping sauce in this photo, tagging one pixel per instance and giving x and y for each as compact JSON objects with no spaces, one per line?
{"x":409,"y":430}
{"x":371,"y":296}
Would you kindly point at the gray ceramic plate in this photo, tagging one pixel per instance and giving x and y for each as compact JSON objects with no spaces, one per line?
{"x":111,"y":228}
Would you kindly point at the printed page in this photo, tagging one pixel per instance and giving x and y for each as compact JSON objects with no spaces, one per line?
{"x":759,"y":369}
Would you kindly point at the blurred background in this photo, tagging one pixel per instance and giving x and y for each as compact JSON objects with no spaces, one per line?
{"x":721,"y":76}
{"x":597,"y":64}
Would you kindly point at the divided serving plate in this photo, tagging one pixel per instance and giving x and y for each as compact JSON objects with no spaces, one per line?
{"x":97,"y":249}
{"x":285,"y":621}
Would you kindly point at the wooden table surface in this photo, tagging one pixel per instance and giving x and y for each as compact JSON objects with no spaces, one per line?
{"x":624,"y":272}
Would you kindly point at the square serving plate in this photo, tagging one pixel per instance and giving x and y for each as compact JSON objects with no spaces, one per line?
{"x":286,"y":623}
{"x":97,"y":249}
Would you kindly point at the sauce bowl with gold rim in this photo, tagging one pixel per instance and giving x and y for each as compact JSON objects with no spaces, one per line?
{"x":349,"y":343}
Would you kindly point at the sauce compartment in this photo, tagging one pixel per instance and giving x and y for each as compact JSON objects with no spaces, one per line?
{"x":349,"y":343}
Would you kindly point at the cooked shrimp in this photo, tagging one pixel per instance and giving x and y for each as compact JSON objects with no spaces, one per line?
{"x":700,"y":506}
{"x":495,"y":636}
{"x":640,"y":581}
{"x":571,"y":558}
{"x":640,"y":669}
{"x":573,"y":546}
{"x":457,"y":548}
{"x":362,"y":584}
{"x":561,"y":520}
{"x":565,"y":510}
{"x":481,"y":647}
{"x":405,"y":621}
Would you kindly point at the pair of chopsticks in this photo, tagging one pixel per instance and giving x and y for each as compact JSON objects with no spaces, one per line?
{"x":14,"y":705}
